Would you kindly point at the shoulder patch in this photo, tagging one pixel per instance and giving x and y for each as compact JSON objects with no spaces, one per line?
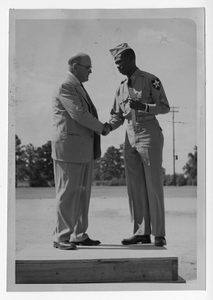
{"x":156,"y":83}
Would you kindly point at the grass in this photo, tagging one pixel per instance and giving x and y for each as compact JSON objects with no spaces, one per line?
{"x":104,"y":192}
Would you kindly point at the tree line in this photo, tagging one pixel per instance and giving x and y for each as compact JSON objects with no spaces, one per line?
{"x":34,"y":167}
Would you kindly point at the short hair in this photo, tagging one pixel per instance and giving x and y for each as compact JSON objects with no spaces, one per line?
{"x":129,"y":53}
{"x":77,"y":58}
{"x":74,"y":59}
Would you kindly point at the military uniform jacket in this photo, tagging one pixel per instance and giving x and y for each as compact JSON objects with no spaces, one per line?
{"x":74,"y":126}
{"x":148,"y":89}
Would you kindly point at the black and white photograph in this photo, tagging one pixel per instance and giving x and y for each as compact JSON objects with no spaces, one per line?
{"x":106,"y":150}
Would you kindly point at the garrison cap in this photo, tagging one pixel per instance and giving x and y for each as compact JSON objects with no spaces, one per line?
{"x":120,"y":48}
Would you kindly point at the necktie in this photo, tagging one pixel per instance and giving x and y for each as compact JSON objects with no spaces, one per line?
{"x":93,"y":111}
{"x":92,"y":108}
{"x":129,"y":82}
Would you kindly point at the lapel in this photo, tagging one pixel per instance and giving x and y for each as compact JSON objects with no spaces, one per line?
{"x":82,"y":92}
{"x":92,"y":109}
{"x":74,"y":80}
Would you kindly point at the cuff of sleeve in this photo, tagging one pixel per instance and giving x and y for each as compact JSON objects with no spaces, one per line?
{"x":152,"y":108}
{"x":146,"y":108}
{"x":110,"y":126}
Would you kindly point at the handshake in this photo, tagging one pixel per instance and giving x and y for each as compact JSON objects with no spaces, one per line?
{"x":106,"y":129}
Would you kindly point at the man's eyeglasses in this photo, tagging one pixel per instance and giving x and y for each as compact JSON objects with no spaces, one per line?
{"x":87,"y":67}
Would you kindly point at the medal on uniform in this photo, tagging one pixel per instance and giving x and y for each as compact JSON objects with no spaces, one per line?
{"x":133,"y":96}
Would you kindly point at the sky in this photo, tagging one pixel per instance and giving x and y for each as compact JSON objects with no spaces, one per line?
{"x":167,"y":43}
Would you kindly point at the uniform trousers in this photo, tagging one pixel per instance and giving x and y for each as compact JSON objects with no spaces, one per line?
{"x":73,"y":189}
{"x":144,"y":174}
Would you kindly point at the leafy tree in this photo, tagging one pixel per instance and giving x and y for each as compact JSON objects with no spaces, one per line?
{"x":34,"y":165}
{"x":190,"y":169}
{"x":39,"y":165}
{"x":21,"y":169}
{"x":181,"y":180}
{"x":45,"y":162}
{"x":110,"y":168}
{"x":168,"y":180}
{"x":113,"y":164}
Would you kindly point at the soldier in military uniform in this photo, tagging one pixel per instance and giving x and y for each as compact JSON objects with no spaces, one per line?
{"x":138,"y":99}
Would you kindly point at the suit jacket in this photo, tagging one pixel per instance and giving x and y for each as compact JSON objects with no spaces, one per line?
{"x":76,"y":132}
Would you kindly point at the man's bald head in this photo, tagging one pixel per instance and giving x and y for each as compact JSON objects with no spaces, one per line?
{"x":81,"y":66}
{"x":78,"y":58}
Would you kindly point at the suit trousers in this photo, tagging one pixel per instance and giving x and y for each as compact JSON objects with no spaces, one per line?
{"x":73,"y":189}
{"x":144,"y":174}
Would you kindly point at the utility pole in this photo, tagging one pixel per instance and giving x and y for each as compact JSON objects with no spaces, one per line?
{"x":173,"y":111}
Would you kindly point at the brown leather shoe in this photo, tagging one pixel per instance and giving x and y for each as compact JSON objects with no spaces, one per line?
{"x":87,"y":242}
{"x":66,"y":245}
{"x":135,"y":239}
{"x":160,"y":241}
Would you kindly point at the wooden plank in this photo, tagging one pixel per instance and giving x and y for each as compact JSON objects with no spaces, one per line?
{"x":103,"y":264}
{"x":38,"y":264}
{"x":131,"y":270}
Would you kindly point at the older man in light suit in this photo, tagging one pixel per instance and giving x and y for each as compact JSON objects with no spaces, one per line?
{"x":75,"y":145}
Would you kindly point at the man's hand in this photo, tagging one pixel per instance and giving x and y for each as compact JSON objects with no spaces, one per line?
{"x":136,"y":104}
{"x":106,"y":129}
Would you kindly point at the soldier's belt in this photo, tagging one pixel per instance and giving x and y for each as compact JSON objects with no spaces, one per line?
{"x":144,"y":118}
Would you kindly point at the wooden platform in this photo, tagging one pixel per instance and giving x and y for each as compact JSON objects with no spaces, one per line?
{"x":43,"y":264}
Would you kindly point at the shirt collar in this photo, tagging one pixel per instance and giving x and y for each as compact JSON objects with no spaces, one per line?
{"x":134,"y":75}
{"x":74,"y":78}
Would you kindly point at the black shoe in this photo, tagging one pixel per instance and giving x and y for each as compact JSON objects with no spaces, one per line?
{"x":144,"y":239}
{"x":87,"y":242}
{"x":160,"y":241}
{"x":66,"y":245}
